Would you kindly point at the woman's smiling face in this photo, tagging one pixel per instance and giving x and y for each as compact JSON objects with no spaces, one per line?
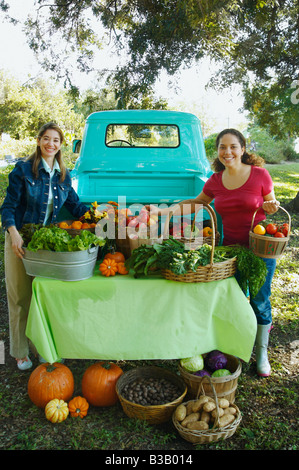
{"x":230,"y":150}
{"x":50,"y":143}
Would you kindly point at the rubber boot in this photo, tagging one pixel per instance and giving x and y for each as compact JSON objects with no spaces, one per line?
{"x":261,"y":346}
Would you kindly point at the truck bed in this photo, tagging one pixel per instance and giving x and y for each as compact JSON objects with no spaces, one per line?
{"x":145,"y":187}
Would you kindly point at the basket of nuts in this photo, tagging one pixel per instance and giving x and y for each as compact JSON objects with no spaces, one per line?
{"x":206,"y":419}
{"x":150,"y":393}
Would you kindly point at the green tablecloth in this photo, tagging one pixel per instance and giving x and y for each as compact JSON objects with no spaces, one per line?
{"x":122,"y":318}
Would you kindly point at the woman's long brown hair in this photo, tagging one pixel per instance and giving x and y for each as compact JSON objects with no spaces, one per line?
{"x":36,"y":156}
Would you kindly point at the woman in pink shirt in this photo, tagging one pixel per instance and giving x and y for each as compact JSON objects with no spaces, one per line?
{"x":238,"y":187}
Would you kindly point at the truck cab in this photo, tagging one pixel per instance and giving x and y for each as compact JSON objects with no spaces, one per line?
{"x":140,"y":157}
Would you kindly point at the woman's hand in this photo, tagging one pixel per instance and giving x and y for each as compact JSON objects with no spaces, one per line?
{"x":16,"y":242}
{"x":271,"y":206}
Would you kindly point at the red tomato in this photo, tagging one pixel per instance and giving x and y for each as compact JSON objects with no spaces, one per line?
{"x":279,"y":235}
{"x":271,"y":229}
{"x":285,"y":229}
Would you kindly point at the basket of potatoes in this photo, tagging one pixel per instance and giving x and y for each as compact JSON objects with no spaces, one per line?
{"x":206,"y":419}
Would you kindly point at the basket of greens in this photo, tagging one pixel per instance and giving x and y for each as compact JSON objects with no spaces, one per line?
{"x":171,"y":257}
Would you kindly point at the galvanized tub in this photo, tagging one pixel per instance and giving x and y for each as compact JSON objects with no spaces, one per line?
{"x":61,"y":265}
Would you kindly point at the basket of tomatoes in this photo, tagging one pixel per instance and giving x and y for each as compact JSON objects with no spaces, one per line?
{"x":269,"y":240}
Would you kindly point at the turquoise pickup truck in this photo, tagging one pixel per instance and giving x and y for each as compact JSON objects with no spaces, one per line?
{"x":140,"y":157}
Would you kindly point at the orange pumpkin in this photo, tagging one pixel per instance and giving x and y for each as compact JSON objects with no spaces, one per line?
{"x":49,"y":381}
{"x":98,"y":383}
{"x":116,"y":256}
{"x":122,"y":268}
{"x":108,"y":267}
{"x":78,"y":407}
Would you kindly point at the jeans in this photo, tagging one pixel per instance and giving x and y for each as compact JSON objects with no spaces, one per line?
{"x":261,"y":304}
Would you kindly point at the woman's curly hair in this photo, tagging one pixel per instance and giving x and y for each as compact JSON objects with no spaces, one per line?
{"x":247,"y":158}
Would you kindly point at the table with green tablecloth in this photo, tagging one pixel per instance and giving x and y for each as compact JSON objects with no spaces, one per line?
{"x":123,"y":318}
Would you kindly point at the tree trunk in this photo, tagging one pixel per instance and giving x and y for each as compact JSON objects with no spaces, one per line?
{"x":293,"y":205}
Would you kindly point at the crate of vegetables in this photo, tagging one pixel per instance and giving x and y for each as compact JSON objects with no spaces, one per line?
{"x":223,"y":369}
{"x":269,"y":240}
{"x":53,"y":253}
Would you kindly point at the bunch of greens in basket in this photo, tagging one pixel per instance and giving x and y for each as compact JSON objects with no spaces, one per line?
{"x":171,"y":254}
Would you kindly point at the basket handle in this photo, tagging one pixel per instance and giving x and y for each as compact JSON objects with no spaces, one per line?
{"x":253,"y":217}
{"x":211,"y":212}
{"x":200,"y":388}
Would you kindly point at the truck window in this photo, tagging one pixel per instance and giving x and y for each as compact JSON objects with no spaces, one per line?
{"x":142,"y":135}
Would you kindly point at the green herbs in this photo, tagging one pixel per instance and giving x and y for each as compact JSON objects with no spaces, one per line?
{"x":53,"y":238}
{"x":252,"y":270}
{"x":170,"y":254}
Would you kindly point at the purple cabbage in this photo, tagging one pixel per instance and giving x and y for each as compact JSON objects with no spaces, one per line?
{"x":216,"y":360}
{"x":201,"y":373}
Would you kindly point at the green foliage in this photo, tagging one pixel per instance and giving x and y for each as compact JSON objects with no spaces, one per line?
{"x":251,"y":41}
{"x":273,"y":150}
{"x":210,"y":146}
{"x":273,"y":107}
{"x":25,"y":108}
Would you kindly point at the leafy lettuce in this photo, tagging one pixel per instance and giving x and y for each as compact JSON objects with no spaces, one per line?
{"x":57,"y":239}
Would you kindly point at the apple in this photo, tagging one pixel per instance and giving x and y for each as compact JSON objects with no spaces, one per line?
{"x":142,"y":227}
{"x":133,"y":237}
{"x":143,"y":216}
{"x":133,"y":222}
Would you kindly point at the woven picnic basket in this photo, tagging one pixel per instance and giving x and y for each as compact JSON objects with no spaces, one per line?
{"x":210,"y":272}
{"x":154,"y":414}
{"x":225,"y":386}
{"x":191,"y":243}
{"x":215,"y":432}
{"x":265,"y":246}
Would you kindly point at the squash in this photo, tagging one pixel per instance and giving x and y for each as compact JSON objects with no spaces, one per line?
{"x":122,"y":268}
{"x":56,"y":410}
{"x":116,"y":256}
{"x":78,"y":407}
{"x":108,"y":267}
{"x":49,"y":381}
{"x":98,"y":383}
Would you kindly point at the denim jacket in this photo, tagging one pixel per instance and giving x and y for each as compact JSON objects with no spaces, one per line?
{"x":27,"y":197}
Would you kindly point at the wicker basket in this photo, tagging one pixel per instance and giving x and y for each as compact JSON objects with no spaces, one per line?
{"x":210,"y":272}
{"x":214,"y":433}
{"x":152,"y":414}
{"x":268,"y":247}
{"x":193,"y":243}
{"x":73,"y":232}
{"x":225,"y":387}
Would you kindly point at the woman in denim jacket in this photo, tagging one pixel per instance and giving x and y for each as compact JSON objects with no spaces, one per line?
{"x":37,"y":190}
